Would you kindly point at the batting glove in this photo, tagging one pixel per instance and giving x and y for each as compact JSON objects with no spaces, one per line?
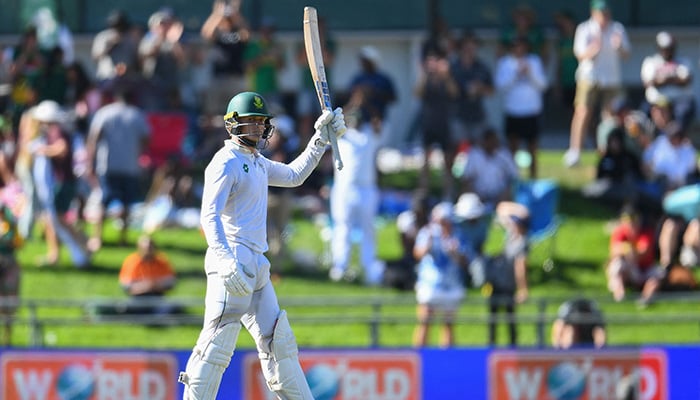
{"x":236,"y":284}
{"x":330,"y":123}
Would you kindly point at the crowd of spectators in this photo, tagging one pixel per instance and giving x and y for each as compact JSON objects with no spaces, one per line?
{"x":75,"y":143}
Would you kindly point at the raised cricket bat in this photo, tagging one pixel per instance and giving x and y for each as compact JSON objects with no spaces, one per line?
{"x":312,"y":42}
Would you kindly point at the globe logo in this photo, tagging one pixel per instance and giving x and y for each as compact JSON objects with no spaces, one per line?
{"x":566,"y":381}
{"x":75,"y":382}
{"x":323,"y":381}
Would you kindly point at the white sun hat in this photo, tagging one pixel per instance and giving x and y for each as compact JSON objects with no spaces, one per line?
{"x":48,"y":111}
{"x":469,"y":206}
{"x":371,"y":54}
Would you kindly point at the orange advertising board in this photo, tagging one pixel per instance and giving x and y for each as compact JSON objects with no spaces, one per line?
{"x":346,"y":376}
{"x":89,"y":375}
{"x":575,"y":375}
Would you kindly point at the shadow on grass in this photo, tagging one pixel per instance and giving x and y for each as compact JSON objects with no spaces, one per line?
{"x":192,"y":250}
{"x":563,"y":272}
{"x":572,"y":202}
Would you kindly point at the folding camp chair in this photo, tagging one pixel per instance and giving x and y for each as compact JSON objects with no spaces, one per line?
{"x":541,"y":197}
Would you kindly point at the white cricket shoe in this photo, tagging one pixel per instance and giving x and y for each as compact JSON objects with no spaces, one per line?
{"x":572,"y":158}
{"x":336,"y":274}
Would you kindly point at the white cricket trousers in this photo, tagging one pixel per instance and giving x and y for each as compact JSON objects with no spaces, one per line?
{"x":354,"y":211}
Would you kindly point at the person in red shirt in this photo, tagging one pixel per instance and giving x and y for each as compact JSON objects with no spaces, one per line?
{"x":632,"y":257}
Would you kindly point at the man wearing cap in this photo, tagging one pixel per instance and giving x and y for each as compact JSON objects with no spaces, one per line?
{"x":667,"y":76}
{"x":600,"y":44}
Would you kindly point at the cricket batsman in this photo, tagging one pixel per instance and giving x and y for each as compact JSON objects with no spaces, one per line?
{"x":233,"y":218}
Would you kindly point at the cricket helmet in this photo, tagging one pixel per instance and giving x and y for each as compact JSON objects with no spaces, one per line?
{"x":248,"y":104}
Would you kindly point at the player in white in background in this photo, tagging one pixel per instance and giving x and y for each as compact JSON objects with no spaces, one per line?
{"x":233,"y":218}
{"x":355,"y":197}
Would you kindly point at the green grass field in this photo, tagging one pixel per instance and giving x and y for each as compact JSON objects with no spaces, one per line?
{"x":581,"y":248}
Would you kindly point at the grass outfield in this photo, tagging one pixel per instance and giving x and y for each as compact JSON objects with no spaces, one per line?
{"x":581,"y":248}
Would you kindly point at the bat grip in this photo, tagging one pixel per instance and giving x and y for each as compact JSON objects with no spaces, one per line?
{"x":336,"y":152}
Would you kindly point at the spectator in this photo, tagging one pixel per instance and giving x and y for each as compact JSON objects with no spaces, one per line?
{"x":114,"y":50}
{"x":52,"y":81}
{"x":172,"y":199}
{"x":629,"y":387}
{"x":146,"y":272}
{"x":619,"y":174}
{"x":28,"y":132}
{"x":679,"y":239}
{"x":524,"y":25}
{"x":5,"y":78}
{"x":632,"y":257}
{"x":51,"y":33}
{"x":162,"y":58}
{"x":520,"y":78}
{"x":11,"y":205}
{"x":661,"y":114}
{"x":640,"y":132}
{"x":118,"y":135}
{"x":439,"y":287}
{"x":506,"y":273}
{"x":226,"y":31}
{"x":490,"y":171}
{"x":565,"y":82}
{"x":475,"y":83}
{"x":579,"y":323}
{"x":27,"y":62}
{"x":354,"y":198}
{"x":379,"y":88}
{"x":195,"y":85}
{"x":55,"y":184}
{"x":282,"y":147}
{"x":472,"y":221}
{"x":600,"y":44}
{"x":665,"y":74}
{"x":436,"y":90}
{"x":671,"y":158}
{"x":402,"y":275}
{"x":612,"y":119}
{"x":264,"y":58}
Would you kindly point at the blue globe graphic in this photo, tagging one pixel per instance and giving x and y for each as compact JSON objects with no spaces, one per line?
{"x":75,"y":382}
{"x":323,"y":381}
{"x":566,"y":381}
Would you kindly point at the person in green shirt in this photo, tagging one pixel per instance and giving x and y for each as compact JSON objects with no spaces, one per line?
{"x":264,"y":58}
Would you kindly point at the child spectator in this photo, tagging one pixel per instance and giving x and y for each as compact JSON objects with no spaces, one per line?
{"x":506,"y":273}
{"x":439,"y":288}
